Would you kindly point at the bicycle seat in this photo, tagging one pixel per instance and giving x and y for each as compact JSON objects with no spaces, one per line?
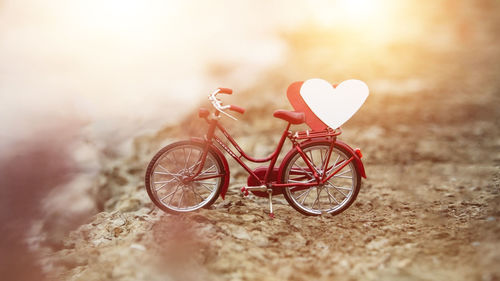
{"x":293,"y":117}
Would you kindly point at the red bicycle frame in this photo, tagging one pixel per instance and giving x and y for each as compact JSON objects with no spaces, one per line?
{"x":273,"y":157}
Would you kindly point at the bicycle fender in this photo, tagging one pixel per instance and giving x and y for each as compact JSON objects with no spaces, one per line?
{"x":217,"y":151}
{"x":357,"y":160}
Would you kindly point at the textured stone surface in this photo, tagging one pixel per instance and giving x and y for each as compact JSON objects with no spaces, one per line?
{"x":429,"y":209}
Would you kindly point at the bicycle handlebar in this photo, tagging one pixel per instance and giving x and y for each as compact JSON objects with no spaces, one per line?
{"x":225,"y":91}
{"x":217,"y":103}
{"x":237,"y":108}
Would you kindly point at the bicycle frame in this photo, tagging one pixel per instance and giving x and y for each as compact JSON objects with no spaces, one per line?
{"x":273,"y":157}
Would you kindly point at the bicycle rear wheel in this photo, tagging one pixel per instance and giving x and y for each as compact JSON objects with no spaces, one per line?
{"x":168,"y":178}
{"x":333,"y":197}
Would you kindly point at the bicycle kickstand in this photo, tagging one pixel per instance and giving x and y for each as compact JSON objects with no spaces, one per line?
{"x":245,"y":190}
{"x":270,"y":192}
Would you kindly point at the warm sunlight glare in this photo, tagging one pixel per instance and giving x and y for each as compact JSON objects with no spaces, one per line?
{"x":371,"y":19}
{"x":361,"y":13}
{"x":121,"y":16}
{"x":360,"y":10}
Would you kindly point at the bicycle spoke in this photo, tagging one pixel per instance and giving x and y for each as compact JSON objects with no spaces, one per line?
{"x":207,"y":175}
{"x":205,"y":186}
{"x":204,"y":182}
{"x":338,"y":157}
{"x":180,"y":201}
{"x":339,"y":190}
{"x":329,"y":199}
{"x":333,"y":168}
{"x":171,"y":193}
{"x":172,"y":158}
{"x":296,"y":172}
{"x":188,"y":158}
{"x":302,"y":194}
{"x":344,"y":177}
{"x":191,"y":168}
{"x":343,"y":187}
{"x":159,"y":165}
{"x":339,"y":187}
{"x":324,"y":159}
{"x":329,"y":195}
{"x":170,"y":201}
{"x":303,"y":199}
{"x":317,"y":199}
{"x":184,"y":152}
{"x":164,"y":181}
{"x":164,"y":173}
{"x":175,"y":158}
{"x":308,"y":173}
{"x":312,"y":159}
{"x":196,"y":193}
{"x":164,"y":184}
{"x":343,"y":173}
{"x":209,"y":172}
{"x":338,"y":164}
{"x":161,"y":186}
{"x":213,"y":176}
{"x":208,"y":169}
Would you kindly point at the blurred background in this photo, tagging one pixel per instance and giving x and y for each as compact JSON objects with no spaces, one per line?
{"x":125,"y":67}
{"x":85,"y":84}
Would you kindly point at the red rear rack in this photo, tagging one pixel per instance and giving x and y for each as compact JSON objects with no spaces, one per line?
{"x":309,"y":134}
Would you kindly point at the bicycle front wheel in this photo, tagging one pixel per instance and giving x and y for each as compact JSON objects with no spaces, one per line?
{"x":169,"y":177}
{"x":333,"y":197}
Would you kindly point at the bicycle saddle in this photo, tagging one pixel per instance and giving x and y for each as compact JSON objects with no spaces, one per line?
{"x":293,"y":117}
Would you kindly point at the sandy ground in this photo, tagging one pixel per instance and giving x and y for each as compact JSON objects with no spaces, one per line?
{"x":429,"y":209}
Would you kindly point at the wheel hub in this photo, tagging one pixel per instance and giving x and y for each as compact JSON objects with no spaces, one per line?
{"x":185,"y":179}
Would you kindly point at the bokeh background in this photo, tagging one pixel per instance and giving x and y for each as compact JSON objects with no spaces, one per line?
{"x":89,"y":90}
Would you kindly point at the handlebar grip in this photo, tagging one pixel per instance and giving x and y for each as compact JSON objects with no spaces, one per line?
{"x":237,"y":108}
{"x":225,"y":91}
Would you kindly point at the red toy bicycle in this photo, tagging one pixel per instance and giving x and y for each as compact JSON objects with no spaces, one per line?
{"x":320,"y":174}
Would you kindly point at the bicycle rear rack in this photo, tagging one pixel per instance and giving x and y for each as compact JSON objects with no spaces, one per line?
{"x":328,"y":132}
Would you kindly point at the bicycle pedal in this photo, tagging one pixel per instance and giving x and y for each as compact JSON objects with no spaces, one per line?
{"x":244,"y":191}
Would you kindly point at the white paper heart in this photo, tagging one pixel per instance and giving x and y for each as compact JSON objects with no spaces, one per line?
{"x":334,"y":106}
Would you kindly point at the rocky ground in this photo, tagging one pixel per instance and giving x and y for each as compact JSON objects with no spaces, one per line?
{"x":429,"y":209}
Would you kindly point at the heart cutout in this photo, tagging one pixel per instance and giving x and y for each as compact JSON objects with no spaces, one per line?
{"x":298,"y":103}
{"x":325,"y":105}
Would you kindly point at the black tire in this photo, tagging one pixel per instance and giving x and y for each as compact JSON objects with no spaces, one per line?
{"x":342,"y":196}
{"x":166,"y":174}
